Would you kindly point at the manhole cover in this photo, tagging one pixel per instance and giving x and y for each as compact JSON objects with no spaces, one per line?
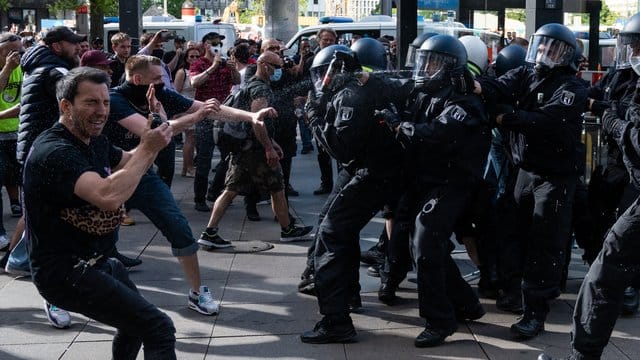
{"x":243,"y":247}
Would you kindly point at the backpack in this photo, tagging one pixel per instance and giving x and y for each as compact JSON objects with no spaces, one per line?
{"x":231,"y":136}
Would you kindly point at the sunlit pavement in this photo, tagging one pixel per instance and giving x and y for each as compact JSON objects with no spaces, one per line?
{"x":262,"y":314}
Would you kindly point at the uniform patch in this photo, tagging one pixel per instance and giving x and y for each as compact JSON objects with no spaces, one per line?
{"x":346,"y":113}
{"x":458,"y":113}
{"x":567,"y":97}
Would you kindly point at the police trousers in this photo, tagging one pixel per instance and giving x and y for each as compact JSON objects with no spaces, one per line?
{"x":337,"y":251}
{"x":543,"y":210}
{"x":601,"y":294}
{"x":441,"y":288}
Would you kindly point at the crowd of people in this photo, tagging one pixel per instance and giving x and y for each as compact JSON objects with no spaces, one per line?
{"x":453,"y":148}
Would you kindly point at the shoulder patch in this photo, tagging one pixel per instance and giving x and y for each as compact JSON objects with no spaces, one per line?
{"x":567,"y":97}
{"x":345,"y":113}
{"x":458,"y":113}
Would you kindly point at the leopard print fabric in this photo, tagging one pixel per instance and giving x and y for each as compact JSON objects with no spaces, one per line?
{"x":92,"y":220}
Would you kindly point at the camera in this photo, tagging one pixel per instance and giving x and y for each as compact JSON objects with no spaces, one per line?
{"x":168,"y":35}
{"x":287,"y":62}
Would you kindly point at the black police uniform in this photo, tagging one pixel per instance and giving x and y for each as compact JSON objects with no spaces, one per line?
{"x":548,"y":124}
{"x":449,"y":143}
{"x":606,"y":187}
{"x":367,"y":149}
{"x":618,"y":263}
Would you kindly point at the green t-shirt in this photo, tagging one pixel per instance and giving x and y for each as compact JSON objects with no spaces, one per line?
{"x":9,"y":97}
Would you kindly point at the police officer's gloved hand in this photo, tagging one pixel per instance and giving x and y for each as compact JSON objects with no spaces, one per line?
{"x":312,"y":106}
{"x":464,"y":82}
{"x":389,"y":117}
{"x":609,"y":117}
{"x":598,"y":107}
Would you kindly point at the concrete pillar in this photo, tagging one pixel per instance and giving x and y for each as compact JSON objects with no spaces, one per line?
{"x":541,"y":12}
{"x":281,"y":19}
{"x":407,"y":27}
{"x":130,"y":13}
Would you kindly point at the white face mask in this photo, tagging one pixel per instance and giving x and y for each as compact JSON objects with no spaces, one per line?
{"x":215,"y":50}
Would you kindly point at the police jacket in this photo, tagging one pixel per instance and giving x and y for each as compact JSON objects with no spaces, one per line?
{"x":548,"y":115}
{"x":626,"y":134}
{"x":38,"y":106}
{"x":448,"y":139}
{"x":351,"y":133}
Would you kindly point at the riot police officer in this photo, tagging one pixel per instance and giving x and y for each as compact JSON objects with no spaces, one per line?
{"x":618,"y":263}
{"x":349,"y":129}
{"x":610,"y":192}
{"x":548,"y":124}
{"x":449,"y":141}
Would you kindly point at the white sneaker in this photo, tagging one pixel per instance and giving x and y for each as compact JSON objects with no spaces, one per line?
{"x":203,"y":302}
{"x":58,"y":318}
{"x":4,"y":241}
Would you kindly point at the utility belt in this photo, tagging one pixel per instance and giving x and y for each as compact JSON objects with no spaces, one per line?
{"x":90,"y":262}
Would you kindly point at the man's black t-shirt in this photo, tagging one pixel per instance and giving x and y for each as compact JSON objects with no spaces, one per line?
{"x":121,"y":108}
{"x":118,"y":71}
{"x":63,"y":228}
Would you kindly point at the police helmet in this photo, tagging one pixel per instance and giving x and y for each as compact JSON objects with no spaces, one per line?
{"x":340,"y":55}
{"x":414,"y":46}
{"x":509,"y":58}
{"x":478,"y":56}
{"x":370,"y":53}
{"x":628,"y":45}
{"x":552,"y":45}
{"x":439,"y":59}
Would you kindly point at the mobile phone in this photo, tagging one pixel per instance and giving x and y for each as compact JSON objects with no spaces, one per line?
{"x":168,"y":35}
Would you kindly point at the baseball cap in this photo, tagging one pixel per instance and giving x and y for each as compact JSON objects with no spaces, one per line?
{"x":94,"y":58}
{"x":211,"y":36}
{"x":179,"y":38}
{"x":60,"y":33}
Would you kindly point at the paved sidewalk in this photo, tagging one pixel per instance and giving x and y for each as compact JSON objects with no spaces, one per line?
{"x":262,"y":314}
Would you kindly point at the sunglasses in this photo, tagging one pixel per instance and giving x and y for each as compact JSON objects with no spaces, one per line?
{"x":194,"y":56}
{"x":11,"y":38}
{"x":274,"y":65}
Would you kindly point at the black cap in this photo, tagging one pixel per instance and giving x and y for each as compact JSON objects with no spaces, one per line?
{"x":211,"y":36}
{"x":60,"y":33}
{"x":97,"y":40}
{"x":179,"y":38}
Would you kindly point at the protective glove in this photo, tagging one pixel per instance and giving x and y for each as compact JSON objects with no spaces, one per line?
{"x":389,"y":117}
{"x":598,"y":107}
{"x":464,"y":82}
{"x":312,"y":106}
{"x":610,"y":117}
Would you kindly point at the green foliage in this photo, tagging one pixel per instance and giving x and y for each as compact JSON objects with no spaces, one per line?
{"x":256,"y":8}
{"x":607,"y":17}
{"x":61,"y":6}
{"x":5,"y":5}
{"x":516,"y":14}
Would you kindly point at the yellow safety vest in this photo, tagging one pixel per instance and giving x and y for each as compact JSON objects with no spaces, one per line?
{"x":9,"y":97}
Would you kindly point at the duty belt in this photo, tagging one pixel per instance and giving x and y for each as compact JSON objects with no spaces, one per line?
{"x":88,"y":262}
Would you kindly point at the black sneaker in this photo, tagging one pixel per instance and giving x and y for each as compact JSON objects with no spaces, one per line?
{"x":470,"y":312}
{"x":295,"y":233}
{"x":307,"y":283}
{"x":373,"y":256}
{"x":509,"y":302}
{"x":213,"y":241}
{"x":338,"y":330}
{"x":527,"y":328}
{"x":432,"y":336}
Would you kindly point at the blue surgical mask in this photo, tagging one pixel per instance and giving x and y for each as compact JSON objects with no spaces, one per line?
{"x":277,"y":74}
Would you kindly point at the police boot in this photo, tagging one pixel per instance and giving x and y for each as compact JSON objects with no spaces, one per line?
{"x":387,"y":292}
{"x":470,"y":312}
{"x":432,"y":336}
{"x":488,"y":284}
{"x":355,"y":303}
{"x":336,"y":328}
{"x":631,"y":301}
{"x":528,"y":327}
{"x":307,"y":283}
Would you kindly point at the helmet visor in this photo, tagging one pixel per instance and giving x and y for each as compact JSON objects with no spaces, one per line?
{"x":411,"y":56}
{"x":627,"y":46}
{"x":317,"y":76}
{"x":548,"y":51}
{"x":431,"y":65}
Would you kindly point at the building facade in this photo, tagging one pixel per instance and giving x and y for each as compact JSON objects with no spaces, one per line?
{"x":24,"y":15}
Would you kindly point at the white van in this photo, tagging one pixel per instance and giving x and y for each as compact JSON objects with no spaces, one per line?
{"x":193,"y":31}
{"x":375,"y":29}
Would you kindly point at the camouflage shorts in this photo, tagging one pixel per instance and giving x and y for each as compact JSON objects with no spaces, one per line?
{"x":249,"y":170}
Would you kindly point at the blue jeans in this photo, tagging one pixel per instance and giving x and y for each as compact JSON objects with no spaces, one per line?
{"x":305,"y":134}
{"x":204,"y":154}
{"x":154,"y":199}
{"x":19,"y":257}
{"x":105,"y":293}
